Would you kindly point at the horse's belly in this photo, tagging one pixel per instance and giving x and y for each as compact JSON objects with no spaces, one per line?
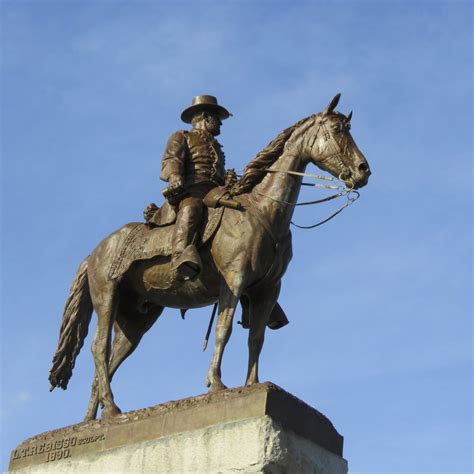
{"x":184,"y":298}
{"x":185,"y":294}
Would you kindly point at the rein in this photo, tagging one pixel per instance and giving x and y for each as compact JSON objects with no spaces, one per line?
{"x":350,"y":200}
{"x":350,"y":193}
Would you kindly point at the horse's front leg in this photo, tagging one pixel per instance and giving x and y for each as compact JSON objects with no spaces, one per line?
{"x":261,"y":306}
{"x":228,"y":300}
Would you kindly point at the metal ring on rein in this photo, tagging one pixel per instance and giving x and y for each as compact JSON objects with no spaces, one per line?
{"x":350,"y":200}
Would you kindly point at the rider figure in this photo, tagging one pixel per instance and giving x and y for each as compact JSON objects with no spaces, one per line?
{"x":193,"y":164}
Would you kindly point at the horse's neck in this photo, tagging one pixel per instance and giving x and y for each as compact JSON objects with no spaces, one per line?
{"x":276,"y":189}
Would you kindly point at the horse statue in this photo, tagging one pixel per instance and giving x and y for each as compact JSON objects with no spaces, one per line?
{"x":245,"y":258}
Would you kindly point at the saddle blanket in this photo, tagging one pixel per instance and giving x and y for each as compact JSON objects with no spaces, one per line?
{"x":141,"y":242}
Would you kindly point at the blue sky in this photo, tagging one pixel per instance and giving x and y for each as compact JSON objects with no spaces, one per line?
{"x":379,"y":299}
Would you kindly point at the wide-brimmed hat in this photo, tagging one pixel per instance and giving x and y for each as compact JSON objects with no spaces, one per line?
{"x":204,"y":102}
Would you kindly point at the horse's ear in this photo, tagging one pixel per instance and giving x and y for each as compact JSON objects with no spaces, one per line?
{"x":332,"y":105}
{"x":349,"y":116}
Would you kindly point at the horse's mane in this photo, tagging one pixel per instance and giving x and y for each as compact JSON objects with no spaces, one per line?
{"x":253,"y":172}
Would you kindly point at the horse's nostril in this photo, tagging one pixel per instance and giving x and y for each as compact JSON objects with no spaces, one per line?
{"x":363,"y":168}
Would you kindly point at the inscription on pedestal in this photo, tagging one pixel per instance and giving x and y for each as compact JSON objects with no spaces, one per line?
{"x":55,"y":450}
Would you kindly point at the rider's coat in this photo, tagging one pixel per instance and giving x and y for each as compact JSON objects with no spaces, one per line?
{"x":196,"y":156}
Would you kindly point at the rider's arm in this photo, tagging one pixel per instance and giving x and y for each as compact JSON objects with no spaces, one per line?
{"x":172,"y":166}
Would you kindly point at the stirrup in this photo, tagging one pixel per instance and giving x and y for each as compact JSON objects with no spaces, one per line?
{"x":188,"y":265}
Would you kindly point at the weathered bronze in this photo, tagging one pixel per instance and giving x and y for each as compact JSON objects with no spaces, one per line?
{"x":129,"y":278}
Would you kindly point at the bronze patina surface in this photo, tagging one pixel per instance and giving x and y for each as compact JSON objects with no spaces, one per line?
{"x":244,"y":261}
{"x":180,"y":416}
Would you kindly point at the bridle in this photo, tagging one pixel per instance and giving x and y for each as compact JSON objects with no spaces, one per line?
{"x":337,"y":152}
{"x":343,"y":190}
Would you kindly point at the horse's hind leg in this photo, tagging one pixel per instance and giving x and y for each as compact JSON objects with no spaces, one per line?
{"x":129,"y":329}
{"x":104,"y":297}
{"x":261,"y":305}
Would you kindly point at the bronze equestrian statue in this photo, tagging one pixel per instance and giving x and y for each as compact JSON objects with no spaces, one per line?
{"x":130,"y":277}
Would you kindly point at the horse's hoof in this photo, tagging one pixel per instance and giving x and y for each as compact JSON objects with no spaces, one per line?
{"x":217,"y":387}
{"x":110,"y":412}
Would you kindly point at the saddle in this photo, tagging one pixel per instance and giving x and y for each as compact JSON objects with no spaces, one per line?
{"x":142,"y":241}
{"x":166,"y":214}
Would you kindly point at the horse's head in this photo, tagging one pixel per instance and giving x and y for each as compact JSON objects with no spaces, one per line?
{"x":329,"y":145}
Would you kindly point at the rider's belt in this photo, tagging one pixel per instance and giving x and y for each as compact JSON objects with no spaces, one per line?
{"x":203,"y":175}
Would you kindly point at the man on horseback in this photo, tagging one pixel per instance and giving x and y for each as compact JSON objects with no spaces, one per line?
{"x":250,"y":250}
{"x":193,"y":164}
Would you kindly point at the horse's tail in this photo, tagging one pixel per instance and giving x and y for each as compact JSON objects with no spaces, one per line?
{"x":74,"y":328}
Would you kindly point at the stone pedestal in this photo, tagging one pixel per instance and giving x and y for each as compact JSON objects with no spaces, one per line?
{"x":251,"y":429}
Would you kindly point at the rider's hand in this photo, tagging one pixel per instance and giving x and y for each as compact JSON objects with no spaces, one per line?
{"x":175,"y":184}
{"x":230,"y":177}
{"x":149,"y":211}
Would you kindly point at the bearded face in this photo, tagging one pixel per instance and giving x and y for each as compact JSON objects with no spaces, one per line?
{"x":209,"y":122}
{"x":212,"y":124}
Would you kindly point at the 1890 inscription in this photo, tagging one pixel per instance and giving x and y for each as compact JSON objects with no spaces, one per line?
{"x":56,"y":450}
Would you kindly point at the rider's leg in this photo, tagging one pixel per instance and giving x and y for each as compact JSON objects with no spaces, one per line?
{"x":185,"y":258}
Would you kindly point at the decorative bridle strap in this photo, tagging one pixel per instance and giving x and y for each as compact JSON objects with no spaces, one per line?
{"x":338,"y":152}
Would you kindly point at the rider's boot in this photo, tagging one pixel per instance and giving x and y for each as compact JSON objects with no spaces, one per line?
{"x":185,"y":258}
{"x":188,"y":265}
